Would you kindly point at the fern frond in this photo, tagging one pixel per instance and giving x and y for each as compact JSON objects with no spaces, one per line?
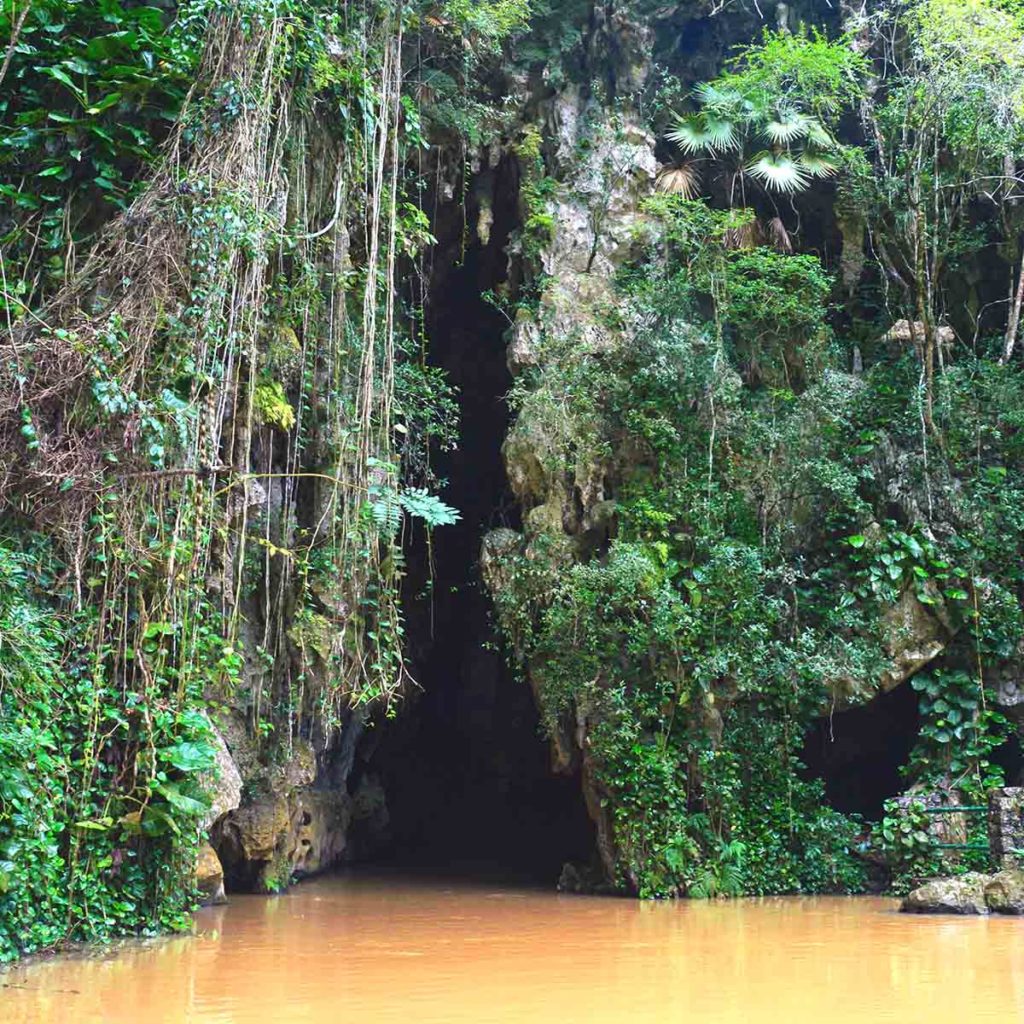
{"x":704,"y":885}
{"x":421,"y":504}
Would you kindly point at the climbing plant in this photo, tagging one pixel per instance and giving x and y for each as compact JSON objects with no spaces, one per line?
{"x":217,"y":420}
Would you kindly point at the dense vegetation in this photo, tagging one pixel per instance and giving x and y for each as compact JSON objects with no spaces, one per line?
{"x":788,"y":469}
{"x":199,"y":318}
{"x":217,"y":418}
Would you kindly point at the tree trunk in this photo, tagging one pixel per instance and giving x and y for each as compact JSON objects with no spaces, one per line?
{"x":925,"y":318}
{"x":1014,"y":321}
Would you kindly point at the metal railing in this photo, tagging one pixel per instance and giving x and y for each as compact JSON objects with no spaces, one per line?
{"x":967,"y":809}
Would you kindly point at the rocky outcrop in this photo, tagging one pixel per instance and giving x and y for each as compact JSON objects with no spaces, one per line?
{"x":915,"y":634}
{"x":964,"y":894}
{"x":290,"y":829}
{"x":209,"y":876}
{"x":223,"y":784}
{"x":559,"y":480}
{"x":277,"y":838}
{"x":1004,"y":894}
{"x":971,"y":893}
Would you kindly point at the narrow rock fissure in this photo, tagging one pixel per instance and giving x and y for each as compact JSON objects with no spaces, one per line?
{"x":465,"y":766}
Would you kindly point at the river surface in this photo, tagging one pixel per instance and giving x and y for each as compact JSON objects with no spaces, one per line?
{"x":373,"y":951}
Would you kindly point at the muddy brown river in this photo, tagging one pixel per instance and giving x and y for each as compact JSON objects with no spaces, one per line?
{"x":372,"y":951}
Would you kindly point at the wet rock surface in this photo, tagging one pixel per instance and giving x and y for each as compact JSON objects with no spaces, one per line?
{"x":971,"y":893}
{"x":210,"y":876}
{"x":964,"y":894}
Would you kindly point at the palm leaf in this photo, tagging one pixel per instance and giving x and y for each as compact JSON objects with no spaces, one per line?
{"x":787,"y":127}
{"x":817,"y":165}
{"x":680,"y":179}
{"x":720,"y":101}
{"x":818,"y":135}
{"x":778,"y":173}
{"x":703,"y":133}
{"x":721,"y":131}
{"x":690,"y":134}
{"x":777,"y":235}
{"x":746,"y":236}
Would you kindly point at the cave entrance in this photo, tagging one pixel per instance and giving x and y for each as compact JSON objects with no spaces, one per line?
{"x":465,"y":767}
{"x":858,"y":753}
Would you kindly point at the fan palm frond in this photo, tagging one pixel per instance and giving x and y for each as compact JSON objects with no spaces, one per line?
{"x":690,"y":134}
{"x":713,"y":98}
{"x":779,"y":172}
{"x":786,"y":127}
{"x":703,"y":133}
{"x":680,"y":179}
{"x":722,"y":132}
{"x":817,"y":165}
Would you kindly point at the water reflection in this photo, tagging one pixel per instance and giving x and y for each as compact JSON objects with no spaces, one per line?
{"x":388,"y":950}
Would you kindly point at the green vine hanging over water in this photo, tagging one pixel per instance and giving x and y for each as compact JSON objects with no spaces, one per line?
{"x":203,"y":468}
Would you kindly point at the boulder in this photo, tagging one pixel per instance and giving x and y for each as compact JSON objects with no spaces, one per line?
{"x":223,"y":784}
{"x":210,"y":876}
{"x":915,"y":635}
{"x":964,"y":894}
{"x":524,"y":344}
{"x":1004,"y":894}
{"x":903,"y":332}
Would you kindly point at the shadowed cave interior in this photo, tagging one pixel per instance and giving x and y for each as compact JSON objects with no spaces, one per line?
{"x":465,"y":766}
{"x":858,"y":753}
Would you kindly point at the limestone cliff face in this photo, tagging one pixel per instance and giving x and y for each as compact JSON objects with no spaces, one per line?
{"x":606,"y":166}
{"x":563,"y":471}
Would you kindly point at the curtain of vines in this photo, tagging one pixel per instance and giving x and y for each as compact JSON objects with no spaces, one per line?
{"x":196,"y":436}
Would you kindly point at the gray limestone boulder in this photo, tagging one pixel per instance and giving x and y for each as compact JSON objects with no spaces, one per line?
{"x":964,"y":894}
{"x":1004,"y":894}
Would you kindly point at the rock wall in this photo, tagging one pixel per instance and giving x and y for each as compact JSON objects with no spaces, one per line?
{"x":562,"y":470}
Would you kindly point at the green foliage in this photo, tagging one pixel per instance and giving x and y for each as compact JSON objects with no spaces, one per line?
{"x":653,"y":665}
{"x":82,"y":856}
{"x":959,"y":731}
{"x":492,"y":22}
{"x":271,"y":405}
{"x":785,"y":93}
{"x":90,"y":92}
{"x":904,"y":837}
{"x":766,"y":523}
{"x":222,"y":295}
{"x":535,"y":192}
{"x":722,"y":874}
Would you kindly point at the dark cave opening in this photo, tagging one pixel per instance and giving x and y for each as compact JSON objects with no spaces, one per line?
{"x":465,"y":768}
{"x":858,"y":753}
